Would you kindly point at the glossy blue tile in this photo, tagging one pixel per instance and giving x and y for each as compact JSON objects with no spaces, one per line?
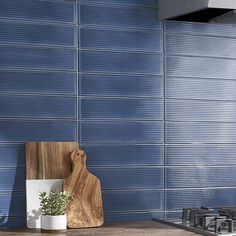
{"x":38,"y":107}
{"x":200,"y":46}
{"x":116,"y":62}
{"x":129,"y":178}
{"x":201,"y":154}
{"x":59,"y":11}
{"x":108,"y":85}
{"x":200,"y":132}
{"x":133,"y":216}
{"x":173,"y":215}
{"x":12,"y":179}
{"x":148,"y":41}
{"x":125,"y":17}
{"x":123,"y":155}
{"x":196,"y":110}
{"x":178,"y":199}
{"x":121,"y":132}
{"x":12,"y":155}
{"x":178,"y":177}
{"x":147,"y":3}
{"x":38,"y":82}
{"x":12,"y":32}
{"x":12,"y":204}
{"x":133,"y":200}
{"x":37,"y":58}
{"x":142,"y":109}
{"x":13,"y":222}
{"x":194,"y":88}
{"x":23,"y":131}
{"x":200,"y":67}
{"x":225,"y":30}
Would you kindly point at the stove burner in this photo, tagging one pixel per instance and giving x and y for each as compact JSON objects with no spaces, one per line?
{"x":212,"y":220}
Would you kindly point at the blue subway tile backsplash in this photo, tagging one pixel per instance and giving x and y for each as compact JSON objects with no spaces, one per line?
{"x":38,"y":82}
{"x":119,"y":17}
{"x":13,"y":204}
{"x":129,"y":40}
{"x":37,"y":106}
{"x":57,"y":11}
{"x":118,"y":62}
{"x":12,"y":155}
{"x":152,"y":103}
{"x":123,"y":155}
{"x":36,"y":34}
{"x":138,"y":109}
{"x":37,"y":58}
{"x":125,"y":131}
{"x":121,"y":86}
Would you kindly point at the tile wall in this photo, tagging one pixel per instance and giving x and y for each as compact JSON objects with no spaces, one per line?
{"x":152,"y":103}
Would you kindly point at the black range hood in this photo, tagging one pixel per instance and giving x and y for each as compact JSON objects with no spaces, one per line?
{"x":222,"y":11}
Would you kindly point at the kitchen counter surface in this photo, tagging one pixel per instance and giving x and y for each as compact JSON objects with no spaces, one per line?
{"x":147,"y":228}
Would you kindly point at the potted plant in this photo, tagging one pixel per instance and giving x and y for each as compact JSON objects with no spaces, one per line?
{"x":53,"y":209}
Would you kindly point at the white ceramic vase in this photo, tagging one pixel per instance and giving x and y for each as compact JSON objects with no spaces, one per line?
{"x":53,"y":222}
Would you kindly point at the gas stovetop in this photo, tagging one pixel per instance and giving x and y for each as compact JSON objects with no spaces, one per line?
{"x":208,"y":221}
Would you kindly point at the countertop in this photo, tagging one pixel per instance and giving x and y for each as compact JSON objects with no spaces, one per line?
{"x":125,"y":229}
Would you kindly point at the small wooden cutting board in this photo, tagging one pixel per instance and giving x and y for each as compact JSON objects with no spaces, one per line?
{"x":86,"y":209}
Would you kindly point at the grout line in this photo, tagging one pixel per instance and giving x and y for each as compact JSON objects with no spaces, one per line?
{"x":164,"y":117}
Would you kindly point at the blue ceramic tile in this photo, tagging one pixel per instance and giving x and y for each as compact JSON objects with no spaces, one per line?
{"x":108,"y":85}
{"x":196,"y":110}
{"x":123,"y":155}
{"x":132,"y":216}
{"x":194,"y":88}
{"x":12,"y":155}
{"x":12,"y":204}
{"x":173,"y":215}
{"x":12,"y":179}
{"x":200,"y":46}
{"x":178,"y":177}
{"x":23,"y":131}
{"x":149,"y":41}
{"x":36,"y":34}
{"x":127,"y":178}
{"x":116,"y":62}
{"x":121,"y":132}
{"x":37,"y":82}
{"x":201,"y":154}
{"x":201,"y":132}
{"x":135,"y":200}
{"x":178,"y":199}
{"x":13,"y":222}
{"x":200,"y":67}
{"x":38,"y":107}
{"x":38,"y":10}
{"x":125,"y":17}
{"x":143,"y":109}
{"x":147,"y":3}
{"x":37,"y":58}
{"x":225,"y":30}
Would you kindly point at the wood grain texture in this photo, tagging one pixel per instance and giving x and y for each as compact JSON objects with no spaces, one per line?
{"x":86,"y":209}
{"x":49,"y":160}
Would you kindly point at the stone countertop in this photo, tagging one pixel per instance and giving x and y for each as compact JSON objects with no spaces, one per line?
{"x":147,"y":228}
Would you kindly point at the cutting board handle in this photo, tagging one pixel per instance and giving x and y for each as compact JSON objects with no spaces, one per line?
{"x":78,"y":159}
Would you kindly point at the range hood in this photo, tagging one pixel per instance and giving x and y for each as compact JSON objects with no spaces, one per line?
{"x":198,"y":10}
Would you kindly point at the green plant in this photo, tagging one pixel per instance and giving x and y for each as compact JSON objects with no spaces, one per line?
{"x":55,"y":203}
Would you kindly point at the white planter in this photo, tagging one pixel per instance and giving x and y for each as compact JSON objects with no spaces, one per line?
{"x":53,"y":222}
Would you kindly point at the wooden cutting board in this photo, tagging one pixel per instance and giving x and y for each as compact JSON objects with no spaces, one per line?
{"x":86,"y":209}
{"x":49,"y":160}
{"x":47,"y":163}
